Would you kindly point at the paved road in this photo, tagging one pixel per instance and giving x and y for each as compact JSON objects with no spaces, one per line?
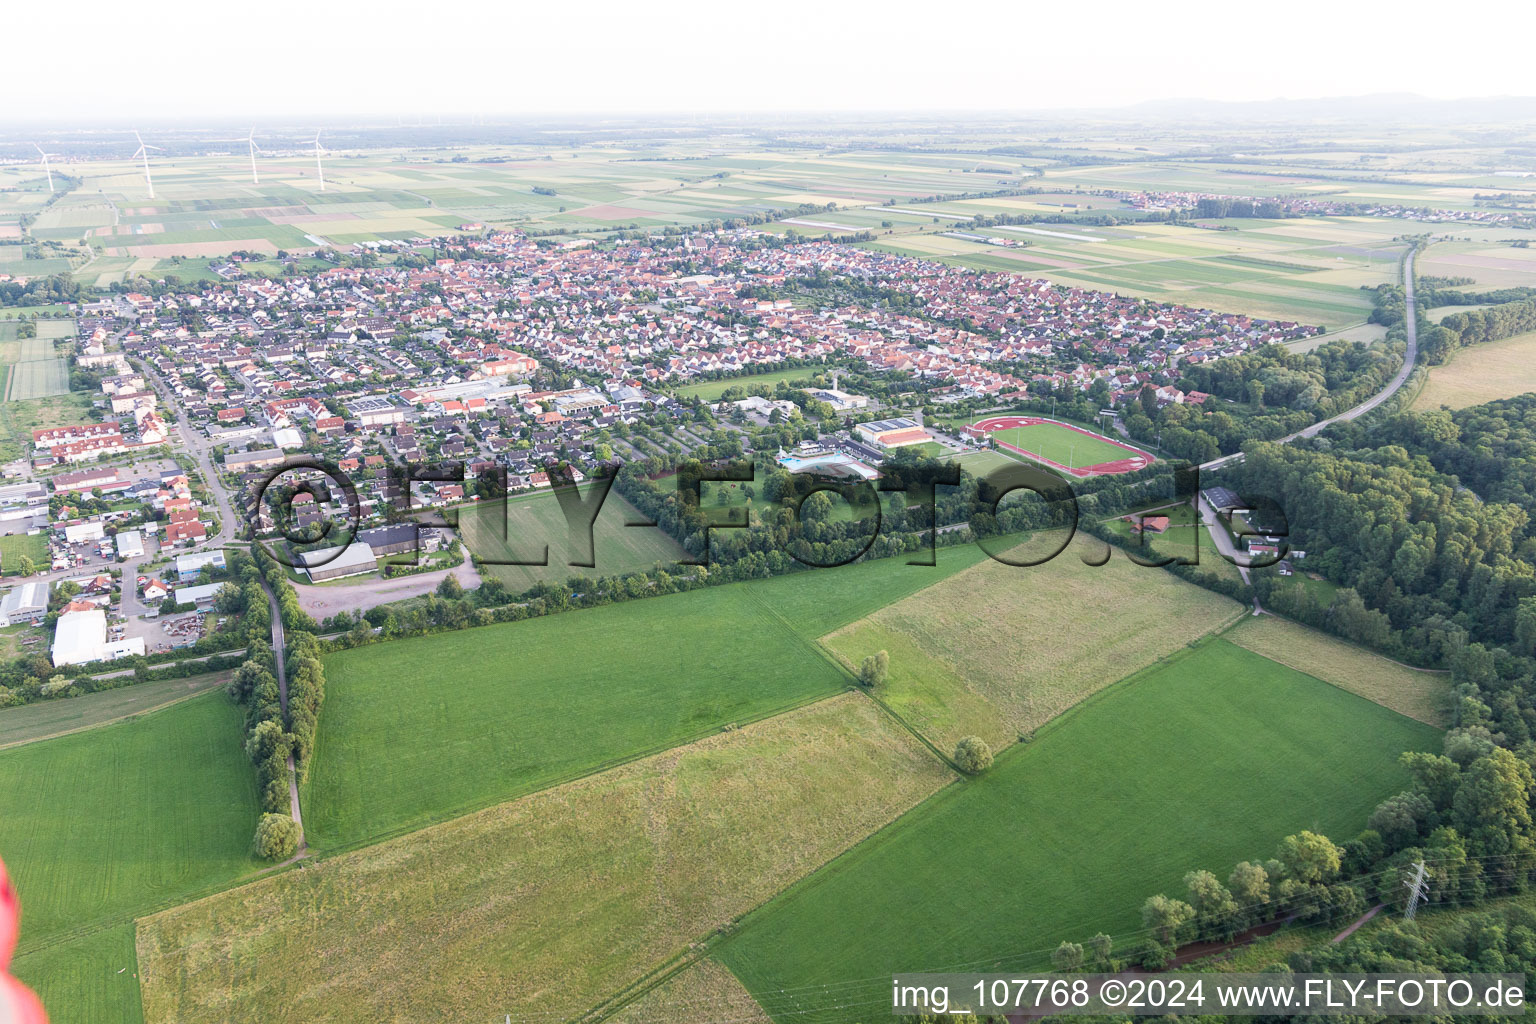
{"x":278,"y":646}
{"x":1218,"y":533}
{"x":1410,"y":357}
{"x":199,"y":446}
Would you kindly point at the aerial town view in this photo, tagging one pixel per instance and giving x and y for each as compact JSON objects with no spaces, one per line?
{"x":600,"y":515}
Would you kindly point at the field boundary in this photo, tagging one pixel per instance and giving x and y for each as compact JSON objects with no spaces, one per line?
{"x":130,"y":716}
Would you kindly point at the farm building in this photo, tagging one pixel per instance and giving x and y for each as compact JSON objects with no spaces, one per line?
{"x":892,"y":433}
{"x":189,"y":567}
{"x":393,"y":539}
{"x":81,"y":636}
{"x":334,"y":563}
{"x":1222,"y":500}
{"x":26,"y":603}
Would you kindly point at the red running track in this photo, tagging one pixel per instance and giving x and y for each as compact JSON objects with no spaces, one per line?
{"x":1136,"y":459}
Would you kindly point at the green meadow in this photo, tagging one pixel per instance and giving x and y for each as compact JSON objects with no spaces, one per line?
{"x":1201,"y":761}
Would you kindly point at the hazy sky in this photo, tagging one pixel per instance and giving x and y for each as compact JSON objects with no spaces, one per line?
{"x":173,"y":59}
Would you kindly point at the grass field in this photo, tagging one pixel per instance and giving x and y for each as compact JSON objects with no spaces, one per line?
{"x":564,"y":897}
{"x":16,"y":546}
{"x":1482,"y":373}
{"x":86,"y":979}
{"x":711,"y":390}
{"x":1062,"y":445}
{"x":1068,"y":835}
{"x":103,"y":826}
{"x":1416,"y":693}
{"x":536,"y":520}
{"x":703,"y":991}
{"x":997,"y":650}
{"x":423,"y":730}
{"x":46,"y":719}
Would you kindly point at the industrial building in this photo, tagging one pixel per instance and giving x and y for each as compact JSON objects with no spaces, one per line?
{"x":81,"y":636}
{"x":26,"y":603}
{"x":334,"y":563}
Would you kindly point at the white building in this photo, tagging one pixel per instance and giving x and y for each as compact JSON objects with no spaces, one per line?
{"x":201,"y":596}
{"x":287,"y":437}
{"x":130,"y":544}
{"x":77,"y":532}
{"x":80,"y":637}
{"x":332,"y":563}
{"x":26,"y":603}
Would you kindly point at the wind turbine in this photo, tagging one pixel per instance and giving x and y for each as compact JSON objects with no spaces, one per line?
{"x":143,"y":151}
{"x":46,"y":169}
{"x":251,"y":139}
{"x":319,"y":170}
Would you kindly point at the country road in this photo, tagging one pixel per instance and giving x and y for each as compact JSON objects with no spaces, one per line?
{"x":279,"y":643}
{"x":1219,"y":535}
{"x":1410,"y":357}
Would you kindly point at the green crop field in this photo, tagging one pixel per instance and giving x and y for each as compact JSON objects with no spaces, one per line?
{"x":100,"y":827}
{"x":47,"y":719}
{"x":423,"y":730}
{"x":1061,"y":445}
{"x":566,"y":896}
{"x":521,"y":527}
{"x":1068,"y":835}
{"x":1415,"y":692}
{"x":998,"y":650}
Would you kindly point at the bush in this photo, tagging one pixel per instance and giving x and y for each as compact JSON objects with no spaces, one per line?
{"x":973,"y":755}
{"x":277,"y":837}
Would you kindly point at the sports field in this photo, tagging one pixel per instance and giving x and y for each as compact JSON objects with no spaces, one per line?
{"x":998,"y":650}
{"x":1482,"y":373}
{"x":564,"y":897}
{"x":1084,"y":823}
{"x":1062,"y":446}
{"x":169,"y":800}
{"x":422,"y":730}
{"x":521,"y":527}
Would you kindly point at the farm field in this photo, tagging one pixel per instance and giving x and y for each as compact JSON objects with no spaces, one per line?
{"x":1307,"y":270}
{"x":566,"y":897}
{"x":422,"y":730}
{"x":1482,"y":373}
{"x":1490,"y":265}
{"x":78,"y":978}
{"x":533,"y":521}
{"x":1419,"y":694}
{"x":171,"y":802}
{"x":998,"y":650}
{"x":47,"y":719}
{"x":702,"y":991}
{"x":1264,"y":751}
